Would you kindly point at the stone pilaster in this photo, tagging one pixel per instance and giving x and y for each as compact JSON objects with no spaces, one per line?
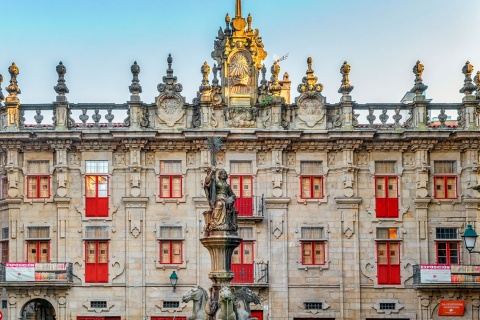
{"x":277,"y":215}
{"x":421,"y":213}
{"x":135,"y":239}
{"x":63,"y":209}
{"x":347,"y":209}
{"x":420,"y":113}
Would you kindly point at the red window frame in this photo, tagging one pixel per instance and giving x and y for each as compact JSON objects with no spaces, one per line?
{"x":38,"y":246}
{"x":96,"y":199}
{"x":449,"y":253}
{"x":388,"y":270}
{"x":311,"y":192}
{"x":169,"y":257}
{"x":170,"y":189}
{"x":242,"y":262}
{"x":96,"y":263}
{"x":38,"y":189}
{"x":244,"y":202}
{"x":99,"y":318}
{"x":445,"y":184}
{"x":4,"y":245}
{"x":169,"y":318}
{"x":312,"y":247}
{"x":386,"y":199}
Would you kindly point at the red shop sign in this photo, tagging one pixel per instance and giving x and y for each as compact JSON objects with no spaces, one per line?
{"x":451,"y":308}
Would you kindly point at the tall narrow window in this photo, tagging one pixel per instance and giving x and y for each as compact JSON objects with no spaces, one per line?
{"x":243,"y":257}
{"x":313,"y":246}
{"x":445,"y":180}
{"x":171,"y":245}
{"x":38,"y":179}
{"x":388,"y":256}
{"x":241,"y":181}
{"x":3,"y":187}
{"x":311,"y":180}
{"x":38,"y":244}
{"x":96,"y":185}
{"x":447,"y":246}
{"x":386,"y":189}
{"x":96,"y":254}
{"x":170,"y":179}
{"x":4,"y":244}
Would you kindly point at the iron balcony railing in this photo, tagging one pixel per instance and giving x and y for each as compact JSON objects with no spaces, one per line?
{"x":58,"y":272}
{"x":256,"y":273}
{"x":250,"y":206}
{"x":445,"y":275}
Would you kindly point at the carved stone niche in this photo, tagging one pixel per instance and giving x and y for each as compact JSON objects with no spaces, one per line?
{"x":170,"y":111}
{"x":311,"y":111}
{"x":241,"y":117}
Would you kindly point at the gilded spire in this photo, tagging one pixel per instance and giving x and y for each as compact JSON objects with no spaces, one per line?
{"x":238,"y":9}
{"x":13,"y":88}
{"x":309,"y":83}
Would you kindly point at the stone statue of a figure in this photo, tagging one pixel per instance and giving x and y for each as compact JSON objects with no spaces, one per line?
{"x":222,"y":215}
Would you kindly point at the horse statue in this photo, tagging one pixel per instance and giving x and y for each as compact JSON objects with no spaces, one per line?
{"x":199,"y":297}
{"x":226,"y":310}
{"x":242,"y":299}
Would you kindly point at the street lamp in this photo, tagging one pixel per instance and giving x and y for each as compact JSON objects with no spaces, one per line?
{"x":173,"y":280}
{"x":470,"y":238}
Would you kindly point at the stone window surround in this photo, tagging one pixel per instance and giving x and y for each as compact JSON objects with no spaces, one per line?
{"x":165,"y":156}
{"x":320,"y":267}
{"x":312,"y":157}
{"x":165,"y":266}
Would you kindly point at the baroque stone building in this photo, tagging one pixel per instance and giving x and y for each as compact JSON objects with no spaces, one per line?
{"x":346,"y":210}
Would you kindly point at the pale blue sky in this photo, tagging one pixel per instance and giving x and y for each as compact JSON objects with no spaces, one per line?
{"x":98,"y":40}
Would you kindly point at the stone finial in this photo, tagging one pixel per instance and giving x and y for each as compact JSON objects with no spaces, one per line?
{"x":309,"y":83}
{"x":13,"y":89}
{"x":468,"y":86}
{"x":476,"y":80}
{"x":418,"y":88}
{"x":345,"y":88}
{"x":275,"y":87}
{"x":215,"y":72}
{"x":1,"y":93}
{"x":249,"y":23}
{"x":169,"y":81}
{"x":61,"y":88}
{"x":135,"y":88}
{"x":286,"y":76}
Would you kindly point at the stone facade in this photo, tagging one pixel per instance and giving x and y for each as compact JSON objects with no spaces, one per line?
{"x":267,"y":140}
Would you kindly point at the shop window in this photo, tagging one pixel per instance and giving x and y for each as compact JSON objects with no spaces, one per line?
{"x":447,"y":246}
{"x":171,"y":245}
{"x":445,"y":180}
{"x":96,"y":185}
{"x":386,"y":189}
{"x":38,"y":179}
{"x":388,"y":256}
{"x":170,"y":179}
{"x":96,"y":254}
{"x":312,"y":246}
{"x":38,"y":244}
{"x":311,"y":180}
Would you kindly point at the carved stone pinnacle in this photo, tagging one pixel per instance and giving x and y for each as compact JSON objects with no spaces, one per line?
{"x":13,"y":88}
{"x":1,"y":93}
{"x":61,"y":88}
{"x":135,"y":88}
{"x":309,"y":83}
{"x":418,"y":88}
{"x":345,"y":88}
{"x":468,"y":86}
{"x":169,"y":81}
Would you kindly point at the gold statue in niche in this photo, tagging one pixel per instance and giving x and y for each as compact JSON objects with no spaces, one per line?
{"x":239,"y":74}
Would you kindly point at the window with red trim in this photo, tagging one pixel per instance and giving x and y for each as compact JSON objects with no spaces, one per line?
{"x":170,"y":179}
{"x":447,"y":246}
{"x":241,"y":182}
{"x":386,"y":189}
{"x":96,"y":254}
{"x":38,"y":244}
{"x":96,"y":188}
{"x":312,"y":246}
{"x":445,"y":180}
{"x":311,"y":180}
{"x":171,"y":245}
{"x":38,"y":179}
{"x":242,"y":262}
{"x":4,"y":244}
{"x":3,"y":187}
{"x":388,"y":257}
{"x":99,"y":318}
{"x":168,"y":318}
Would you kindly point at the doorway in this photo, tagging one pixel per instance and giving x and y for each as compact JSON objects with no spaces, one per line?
{"x":38,"y":309}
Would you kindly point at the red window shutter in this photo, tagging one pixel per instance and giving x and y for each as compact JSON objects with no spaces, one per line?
{"x":242,"y":262}
{"x":96,"y":196}
{"x":242,"y":186}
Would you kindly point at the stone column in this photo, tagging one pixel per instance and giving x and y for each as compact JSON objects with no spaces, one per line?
{"x":135,"y":238}
{"x":350,"y":258}
{"x":277,"y":215}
